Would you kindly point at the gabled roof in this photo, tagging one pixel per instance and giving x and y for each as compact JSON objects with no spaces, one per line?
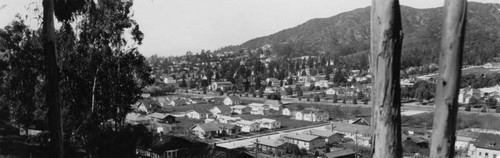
{"x":157,"y":115}
{"x":223,"y":108}
{"x":245,"y":122}
{"x":340,"y":153}
{"x":269,"y":142}
{"x":264,"y":120}
{"x":207,"y":127}
{"x":256,"y":104}
{"x":302,"y":137}
{"x":239,"y":107}
{"x":273,"y":102}
{"x":488,"y":141}
{"x":350,"y":128}
{"x":321,"y":133}
{"x":234,"y":98}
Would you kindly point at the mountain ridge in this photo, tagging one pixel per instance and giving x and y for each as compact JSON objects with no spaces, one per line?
{"x":348,"y":32}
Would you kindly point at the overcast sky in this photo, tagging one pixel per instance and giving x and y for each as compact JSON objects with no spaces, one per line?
{"x":173,"y":27}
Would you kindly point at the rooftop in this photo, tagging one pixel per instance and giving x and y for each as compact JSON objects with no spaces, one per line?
{"x":269,"y":142}
{"x":346,"y":127}
{"x":321,"y":133}
{"x":300,"y":136}
{"x":488,"y":141}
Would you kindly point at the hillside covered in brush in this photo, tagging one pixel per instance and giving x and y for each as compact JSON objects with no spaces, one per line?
{"x":347,"y":35}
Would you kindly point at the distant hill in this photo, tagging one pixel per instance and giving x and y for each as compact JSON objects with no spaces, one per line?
{"x":348,"y":33}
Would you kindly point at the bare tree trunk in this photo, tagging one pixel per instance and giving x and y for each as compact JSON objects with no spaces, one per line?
{"x":52,"y":93}
{"x":386,"y":41}
{"x":443,"y":135}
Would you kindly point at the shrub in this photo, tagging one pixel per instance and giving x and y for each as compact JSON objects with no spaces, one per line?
{"x":498,"y":109}
{"x":355,"y":101}
{"x":468,"y":107}
{"x":483,"y":109}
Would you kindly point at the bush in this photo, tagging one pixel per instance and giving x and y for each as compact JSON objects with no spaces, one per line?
{"x":365,"y":101}
{"x":316,"y":98}
{"x":308,"y":99}
{"x":498,"y":109}
{"x":468,"y":107}
{"x":483,"y":109}
{"x":355,"y":101}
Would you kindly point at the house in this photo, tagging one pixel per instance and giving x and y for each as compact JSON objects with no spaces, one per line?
{"x":169,"y":119}
{"x":164,"y":101}
{"x":273,"y":81}
{"x":232,"y":100}
{"x":220,"y":109}
{"x":274,"y":104}
{"x":240,"y":109}
{"x":341,"y":153}
{"x":286,"y":112}
{"x":169,"y":80}
{"x":248,"y":126}
{"x":490,"y":91}
{"x":224,"y":86}
{"x":312,"y":115}
{"x":335,"y":90}
{"x":469,"y":135}
{"x":359,"y":133}
{"x":360,"y":121}
{"x":177,"y":102}
{"x":213,"y":129}
{"x":492,"y":65}
{"x":258,"y":109}
{"x":465,"y":94}
{"x":486,"y":145}
{"x":322,"y":84}
{"x":136,"y":118}
{"x":227,"y":119}
{"x":414,"y":141}
{"x":197,"y":114}
{"x":269,"y":145}
{"x":305,"y":141}
{"x":329,"y":136}
{"x":157,"y":116}
{"x":268,"y":123}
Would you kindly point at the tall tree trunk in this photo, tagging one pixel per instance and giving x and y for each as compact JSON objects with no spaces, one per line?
{"x":52,"y":93}
{"x":452,"y":42}
{"x":386,"y":41}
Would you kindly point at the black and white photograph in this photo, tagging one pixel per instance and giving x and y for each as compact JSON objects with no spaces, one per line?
{"x":249,"y":78}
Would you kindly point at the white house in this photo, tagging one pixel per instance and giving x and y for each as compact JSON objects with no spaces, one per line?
{"x":224,"y":86}
{"x":274,"y":82}
{"x":241,"y":109}
{"x":220,"y":109}
{"x":353,"y":131}
{"x":486,"y":145}
{"x":258,"y":109}
{"x":268,"y":123}
{"x":248,"y":126}
{"x":196,"y":114}
{"x":322,"y":83}
{"x":286,"y":112}
{"x":312,"y":115}
{"x":305,"y":141}
{"x":169,"y":80}
{"x":466,"y":93}
{"x":492,"y":65}
{"x":232,"y":100}
{"x":227,"y":119}
{"x":274,"y":104}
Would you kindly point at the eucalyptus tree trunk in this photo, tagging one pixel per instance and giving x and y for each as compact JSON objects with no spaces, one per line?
{"x":52,"y":80}
{"x":452,"y":43}
{"x":386,"y":41}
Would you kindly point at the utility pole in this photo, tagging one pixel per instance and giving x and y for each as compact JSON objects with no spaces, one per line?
{"x":452,"y":43}
{"x":256,"y":148}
